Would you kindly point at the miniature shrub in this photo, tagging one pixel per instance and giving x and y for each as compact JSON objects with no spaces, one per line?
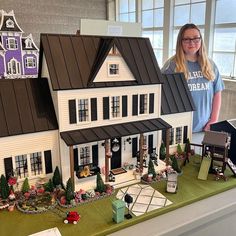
{"x":100,"y":184}
{"x":162,"y":151}
{"x":179,"y":149}
{"x":4,"y":187}
{"x":49,"y":186}
{"x":56,"y":179}
{"x":69,"y":191}
{"x":151,"y":169}
{"x":175,"y":164}
{"x":25,"y":187}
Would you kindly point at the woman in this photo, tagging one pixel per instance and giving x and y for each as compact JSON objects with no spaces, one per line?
{"x":202,"y":75}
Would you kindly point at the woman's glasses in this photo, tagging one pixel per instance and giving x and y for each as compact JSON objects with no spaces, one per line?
{"x":193,"y":40}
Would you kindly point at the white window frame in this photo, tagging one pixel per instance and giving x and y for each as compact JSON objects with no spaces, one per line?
{"x":116,"y":69}
{"x":11,"y":43}
{"x":30,"y":62}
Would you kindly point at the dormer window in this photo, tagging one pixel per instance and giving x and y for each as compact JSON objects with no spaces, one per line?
{"x":113,"y":69}
{"x":9,"y":23}
{"x":11,"y":43}
{"x":28,"y":43}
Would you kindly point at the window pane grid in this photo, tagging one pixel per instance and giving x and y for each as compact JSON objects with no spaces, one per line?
{"x":83,"y":109}
{"x":36,"y":163}
{"x":84,"y":155}
{"x":115,"y":106}
{"x":21,"y":166}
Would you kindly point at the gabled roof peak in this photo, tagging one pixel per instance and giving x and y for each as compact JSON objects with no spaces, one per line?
{"x":8,"y":22}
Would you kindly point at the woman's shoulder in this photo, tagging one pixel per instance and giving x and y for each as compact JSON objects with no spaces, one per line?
{"x":169,"y":66}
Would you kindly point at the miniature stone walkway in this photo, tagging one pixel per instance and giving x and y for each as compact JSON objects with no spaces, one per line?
{"x":145,"y":198}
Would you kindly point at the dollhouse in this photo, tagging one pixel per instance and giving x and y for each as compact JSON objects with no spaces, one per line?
{"x":96,"y":102}
{"x":18,"y":54}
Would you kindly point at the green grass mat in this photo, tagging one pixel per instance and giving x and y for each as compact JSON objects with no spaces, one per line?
{"x":96,"y":217}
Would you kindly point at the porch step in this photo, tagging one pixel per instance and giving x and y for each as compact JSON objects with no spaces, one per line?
{"x":125,"y":183}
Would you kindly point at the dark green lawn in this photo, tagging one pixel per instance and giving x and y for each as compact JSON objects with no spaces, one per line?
{"x":96,"y":217}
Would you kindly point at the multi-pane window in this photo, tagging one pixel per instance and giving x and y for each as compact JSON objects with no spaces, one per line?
{"x":113,"y":69}
{"x":178,"y":135}
{"x":188,"y":11}
{"x":171,"y":136}
{"x":30,"y":62}
{"x":11,"y":43}
{"x":21,"y":166}
{"x":85,"y":158}
{"x":127,"y":10}
{"x":13,"y":67}
{"x":152,"y":25}
{"x":83,"y":110}
{"x":36,"y":163}
{"x":220,"y":23}
{"x":143,"y":104}
{"x":224,"y":40}
{"x":115,"y":106}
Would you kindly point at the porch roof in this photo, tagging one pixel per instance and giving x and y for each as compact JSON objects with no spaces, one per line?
{"x":113,"y":131}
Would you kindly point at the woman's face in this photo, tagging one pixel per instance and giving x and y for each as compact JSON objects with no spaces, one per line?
{"x":191,"y":42}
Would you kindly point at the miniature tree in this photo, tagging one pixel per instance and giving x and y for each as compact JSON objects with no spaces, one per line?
{"x":187,"y":146}
{"x":25,"y":187}
{"x":4,"y":187}
{"x":162,"y":151}
{"x":69,"y":191}
{"x":179,"y":149}
{"x":56,"y":179}
{"x":151,"y":169}
{"x":100,"y":184}
{"x":175,"y":164}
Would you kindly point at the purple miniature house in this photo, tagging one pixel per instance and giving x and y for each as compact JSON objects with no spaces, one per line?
{"x":18,"y":54}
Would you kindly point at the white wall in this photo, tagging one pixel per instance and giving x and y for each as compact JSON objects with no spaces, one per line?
{"x":30,"y":143}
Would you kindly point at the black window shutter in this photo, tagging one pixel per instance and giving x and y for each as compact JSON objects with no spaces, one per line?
{"x":150,"y":143}
{"x":164,"y":136}
{"x":185,"y":133}
{"x":8,"y":167}
{"x":76,"y":161}
{"x":141,"y":105}
{"x":94,"y":109}
{"x":95,"y":155}
{"x":135,"y":105}
{"x":124,"y":106}
{"x":134,"y":146}
{"x":72,"y":111}
{"x":48,"y":161}
{"x":105,"y":108}
{"x":151,"y":103}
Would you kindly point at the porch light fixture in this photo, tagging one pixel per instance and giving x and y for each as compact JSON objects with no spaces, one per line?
{"x":129,"y":140}
{"x":115,"y":145}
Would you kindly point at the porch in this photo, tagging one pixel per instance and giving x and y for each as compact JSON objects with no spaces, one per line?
{"x":121,"y":180}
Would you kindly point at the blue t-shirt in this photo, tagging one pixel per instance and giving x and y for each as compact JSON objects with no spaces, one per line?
{"x":202,"y":91}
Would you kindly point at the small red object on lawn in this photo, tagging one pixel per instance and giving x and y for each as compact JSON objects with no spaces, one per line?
{"x":72,"y":217}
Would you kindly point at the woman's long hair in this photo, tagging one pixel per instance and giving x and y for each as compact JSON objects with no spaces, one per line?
{"x":203,"y":59}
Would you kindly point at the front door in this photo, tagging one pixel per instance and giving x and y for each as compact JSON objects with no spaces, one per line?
{"x":116,"y":154}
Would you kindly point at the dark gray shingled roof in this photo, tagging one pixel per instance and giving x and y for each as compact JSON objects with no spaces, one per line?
{"x":74,"y":60}
{"x":113,"y":131}
{"x":175,"y":97}
{"x":25,"y":107}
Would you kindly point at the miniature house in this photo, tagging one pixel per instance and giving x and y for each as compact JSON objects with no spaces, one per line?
{"x":28,"y":130}
{"x":228,"y":126}
{"x":105,"y":99}
{"x":18,"y":54}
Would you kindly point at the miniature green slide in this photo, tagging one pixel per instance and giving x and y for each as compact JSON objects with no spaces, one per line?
{"x":204,"y":168}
